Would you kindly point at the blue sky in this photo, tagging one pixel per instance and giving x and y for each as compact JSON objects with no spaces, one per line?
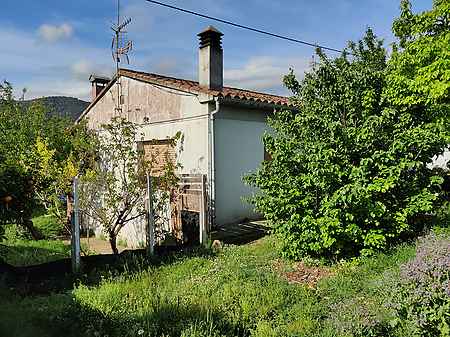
{"x":51,"y":46}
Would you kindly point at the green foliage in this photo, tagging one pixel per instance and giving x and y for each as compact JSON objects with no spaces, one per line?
{"x":14,"y":233}
{"x":419,"y":70}
{"x":19,"y":129}
{"x":39,"y":155}
{"x":56,"y":166}
{"x":49,"y":226}
{"x":350,"y":166}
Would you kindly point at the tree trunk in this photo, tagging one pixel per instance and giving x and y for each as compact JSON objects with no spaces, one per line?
{"x":35,"y":233}
{"x":113,"y":243}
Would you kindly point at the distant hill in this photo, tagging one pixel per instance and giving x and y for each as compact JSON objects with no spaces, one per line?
{"x":62,"y":106}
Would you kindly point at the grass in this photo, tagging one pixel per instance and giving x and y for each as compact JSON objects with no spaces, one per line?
{"x":237,"y":292}
{"x":21,"y":252}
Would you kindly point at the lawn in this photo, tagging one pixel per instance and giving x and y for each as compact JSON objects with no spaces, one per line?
{"x":23,"y":252}
{"x":240,"y":291}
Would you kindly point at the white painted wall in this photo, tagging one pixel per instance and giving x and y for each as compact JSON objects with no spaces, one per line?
{"x":239,"y":150}
{"x":192,"y":148}
{"x":168,"y":112}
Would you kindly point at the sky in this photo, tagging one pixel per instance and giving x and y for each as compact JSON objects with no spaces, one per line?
{"x":50,"y":47}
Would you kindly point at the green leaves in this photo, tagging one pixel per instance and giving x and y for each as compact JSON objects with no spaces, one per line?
{"x":33,"y":147}
{"x":350,"y":169}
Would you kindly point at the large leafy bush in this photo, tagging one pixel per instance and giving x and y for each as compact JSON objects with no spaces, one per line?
{"x":350,"y":162}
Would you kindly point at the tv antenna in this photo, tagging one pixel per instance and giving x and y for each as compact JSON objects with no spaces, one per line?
{"x":120,"y":47}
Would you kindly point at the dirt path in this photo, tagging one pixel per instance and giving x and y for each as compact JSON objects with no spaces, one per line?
{"x":97,"y":245}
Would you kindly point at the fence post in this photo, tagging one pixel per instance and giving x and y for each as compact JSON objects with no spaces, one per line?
{"x":203,"y":231}
{"x":150,"y":218}
{"x":76,"y":248}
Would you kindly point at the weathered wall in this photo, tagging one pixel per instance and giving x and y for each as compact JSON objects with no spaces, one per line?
{"x":239,"y":149}
{"x":161,"y":113}
{"x":144,"y":101}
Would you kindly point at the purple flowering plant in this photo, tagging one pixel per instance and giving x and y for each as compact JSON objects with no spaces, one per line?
{"x":422,"y":302}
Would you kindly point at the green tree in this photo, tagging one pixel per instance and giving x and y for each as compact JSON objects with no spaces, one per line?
{"x":419,"y":69}
{"x":19,"y":129}
{"x":349,"y":170}
{"x":39,"y":154}
{"x":55,"y":168}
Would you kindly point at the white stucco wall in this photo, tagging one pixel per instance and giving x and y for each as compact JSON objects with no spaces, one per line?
{"x":192,"y":148}
{"x":161,"y":113}
{"x":239,"y":150}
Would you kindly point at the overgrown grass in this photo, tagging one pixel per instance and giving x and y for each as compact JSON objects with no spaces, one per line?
{"x":238,"y":292}
{"x":46,"y":224}
{"x":21,"y":252}
{"x":17,"y":248}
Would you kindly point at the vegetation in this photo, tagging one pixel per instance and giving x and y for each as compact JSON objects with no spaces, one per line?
{"x":39,"y":155}
{"x":350,"y":175}
{"x":350,"y":170}
{"x":240,"y":291}
{"x":423,"y":297}
{"x":18,"y":248}
{"x":24,"y":252}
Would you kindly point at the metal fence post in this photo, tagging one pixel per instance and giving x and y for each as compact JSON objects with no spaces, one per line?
{"x":76,"y":247}
{"x":203,"y":231}
{"x":150,"y":218}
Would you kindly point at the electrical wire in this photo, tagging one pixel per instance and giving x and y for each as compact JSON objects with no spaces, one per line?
{"x":315,"y":45}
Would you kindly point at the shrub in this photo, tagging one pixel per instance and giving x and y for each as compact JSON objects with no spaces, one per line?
{"x":350,"y":169}
{"x":49,"y":226}
{"x":14,"y":233}
{"x":422,"y":302}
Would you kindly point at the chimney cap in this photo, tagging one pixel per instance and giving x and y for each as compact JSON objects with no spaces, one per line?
{"x":210,"y":30}
{"x":99,"y":79}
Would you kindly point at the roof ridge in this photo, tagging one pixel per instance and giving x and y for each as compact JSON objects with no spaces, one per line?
{"x":155,"y":74}
{"x":195,"y":88}
{"x":196,"y":82}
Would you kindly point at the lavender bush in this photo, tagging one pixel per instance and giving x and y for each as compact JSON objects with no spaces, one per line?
{"x":422,"y":303}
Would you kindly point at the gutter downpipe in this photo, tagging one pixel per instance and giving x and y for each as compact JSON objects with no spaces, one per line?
{"x":212,"y":166}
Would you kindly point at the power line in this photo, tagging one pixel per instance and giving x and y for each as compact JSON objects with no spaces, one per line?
{"x":243,"y":27}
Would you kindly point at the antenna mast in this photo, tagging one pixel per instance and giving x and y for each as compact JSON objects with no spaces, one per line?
{"x":120,"y":47}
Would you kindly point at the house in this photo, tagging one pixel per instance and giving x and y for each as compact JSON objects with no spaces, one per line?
{"x":222,"y":127}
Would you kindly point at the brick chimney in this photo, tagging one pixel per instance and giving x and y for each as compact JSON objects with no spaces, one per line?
{"x":210,"y":63}
{"x":98,"y":84}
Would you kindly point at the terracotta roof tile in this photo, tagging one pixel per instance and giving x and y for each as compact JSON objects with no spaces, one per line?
{"x":194,"y":88}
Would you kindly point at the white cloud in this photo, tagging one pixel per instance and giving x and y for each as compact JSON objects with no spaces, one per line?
{"x":50,"y":69}
{"x":52,"y":33}
{"x":82,"y":69}
{"x":48,"y":86}
{"x":265,"y":73}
